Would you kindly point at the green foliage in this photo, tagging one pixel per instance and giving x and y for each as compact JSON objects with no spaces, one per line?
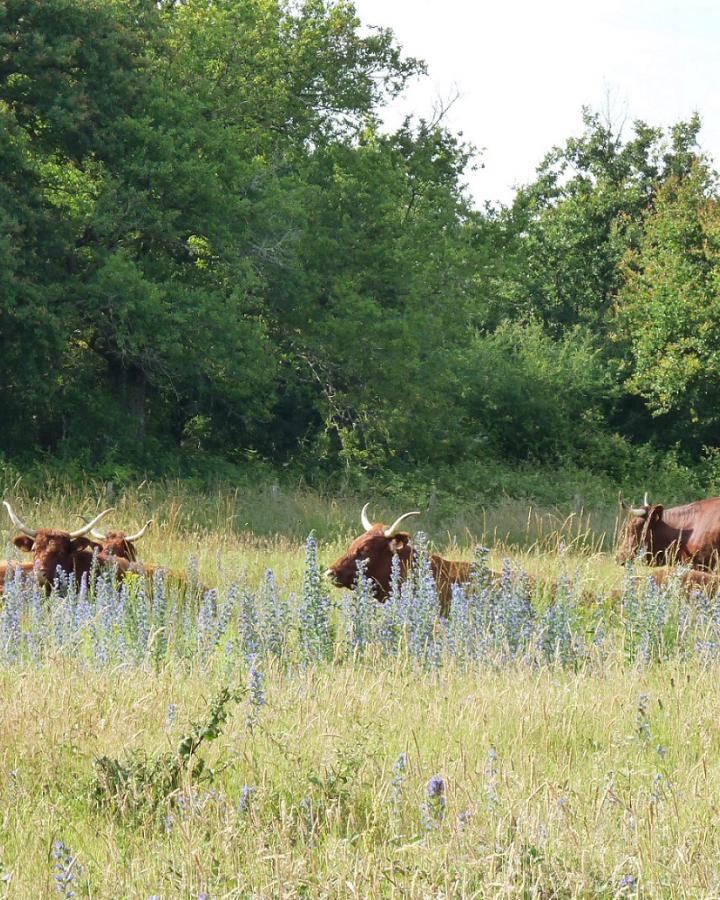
{"x":535,"y":398}
{"x":140,"y":784}
{"x":572,"y":226}
{"x":213,"y":257}
{"x":670,"y":306}
{"x":366,"y":319}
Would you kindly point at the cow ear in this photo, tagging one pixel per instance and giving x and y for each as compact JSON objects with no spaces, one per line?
{"x":23,"y":542}
{"x":84,"y":543}
{"x":399,"y":543}
{"x":656,"y":513}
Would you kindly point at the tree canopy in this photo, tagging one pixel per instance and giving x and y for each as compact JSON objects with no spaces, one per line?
{"x":209,"y":244}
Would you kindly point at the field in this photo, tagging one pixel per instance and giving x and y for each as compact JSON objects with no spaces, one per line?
{"x":279,"y":739}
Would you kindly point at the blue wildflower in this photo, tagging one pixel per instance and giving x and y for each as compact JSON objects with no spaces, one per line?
{"x":399,"y":770}
{"x":171,"y":715}
{"x":433,"y":809}
{"x":256,"y":695}
{"x":63,"y":871}
{"x":246,"y":795}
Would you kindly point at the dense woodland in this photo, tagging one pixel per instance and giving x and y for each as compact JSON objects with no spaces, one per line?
{"x":212,"y":253}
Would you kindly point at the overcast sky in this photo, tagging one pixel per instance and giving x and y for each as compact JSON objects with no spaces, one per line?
{"x":525,"y":68}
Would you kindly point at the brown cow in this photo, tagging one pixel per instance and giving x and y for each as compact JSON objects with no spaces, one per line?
{"x":119,"y":544}
{"x":71,"y":551}
{"x":685,"y":534}
{"x":378,"y":545}
{"x":690,"y":579}
{"x":9,"y":569}
{"x":118,"y":549}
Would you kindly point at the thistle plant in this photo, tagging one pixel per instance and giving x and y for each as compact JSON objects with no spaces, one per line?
{"x":421,"y":603}
{"x":392,"y":616}
{"x":556,"y":627}
{"x":460,"y":636}
{"x":223,"y":619}
{"x":159,"y":616}
{"x":246,"y":794}
{"x":491,"y":779}
{"x":642,"y":725}
{"x":205,"y":623}
{"x":274,"y":617}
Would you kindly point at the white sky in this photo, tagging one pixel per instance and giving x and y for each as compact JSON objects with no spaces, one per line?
{"x":525,"y":68}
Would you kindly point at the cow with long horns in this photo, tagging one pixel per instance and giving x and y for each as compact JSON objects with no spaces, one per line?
{"x":52,"y":549}
{"x":119,"y":551}
{"x":687,"y":534}
{"x":378,"y":545}
{"x":119,"y":544}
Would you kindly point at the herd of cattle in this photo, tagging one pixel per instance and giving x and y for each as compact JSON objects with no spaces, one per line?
{"x":688,"y":535}
{"x":73,"y":552}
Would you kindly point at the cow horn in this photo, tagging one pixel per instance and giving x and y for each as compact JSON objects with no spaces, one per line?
{"x":136,"y":537}
{"x":18,"y":522}
{"x":646,"y":502}
{"x":639,"y":511}
{"x":393,"y":529}
{"x":98,"y":535}
{"x":366,"y":523}
{"x":90,"y":525}
{"x":623,"y":504}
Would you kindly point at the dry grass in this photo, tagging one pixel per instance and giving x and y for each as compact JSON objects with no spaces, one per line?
{"x":233,"y":532}
{"x":586,"y":791}
{"x":578,"y":798}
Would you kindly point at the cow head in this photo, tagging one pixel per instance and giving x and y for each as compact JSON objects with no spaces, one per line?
{"x":118,"y":543}
{"x":639,"y":532}
{"x":52,"y":549}
{"x":377,"y":545}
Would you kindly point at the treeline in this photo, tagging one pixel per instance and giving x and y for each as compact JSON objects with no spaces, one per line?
{"x":211,"y":249}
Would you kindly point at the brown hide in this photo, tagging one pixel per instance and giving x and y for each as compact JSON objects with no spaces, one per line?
{"x":682,"y":534}
{"x":53,"y":550}
{"x":379,"y":550}
{"x":10,"y":568}
{"x":690,"y":580}
{"x":117,"y":550}
{"x":115,"y":543}
{"x":446,"y":573}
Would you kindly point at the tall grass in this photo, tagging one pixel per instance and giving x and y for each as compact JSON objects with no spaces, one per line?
{"x":541,"y":744}
{"x":248,"y":527}
{"x":556,"y":783}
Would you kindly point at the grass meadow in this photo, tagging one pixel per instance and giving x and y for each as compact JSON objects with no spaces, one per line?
{"x":280,"y":739}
